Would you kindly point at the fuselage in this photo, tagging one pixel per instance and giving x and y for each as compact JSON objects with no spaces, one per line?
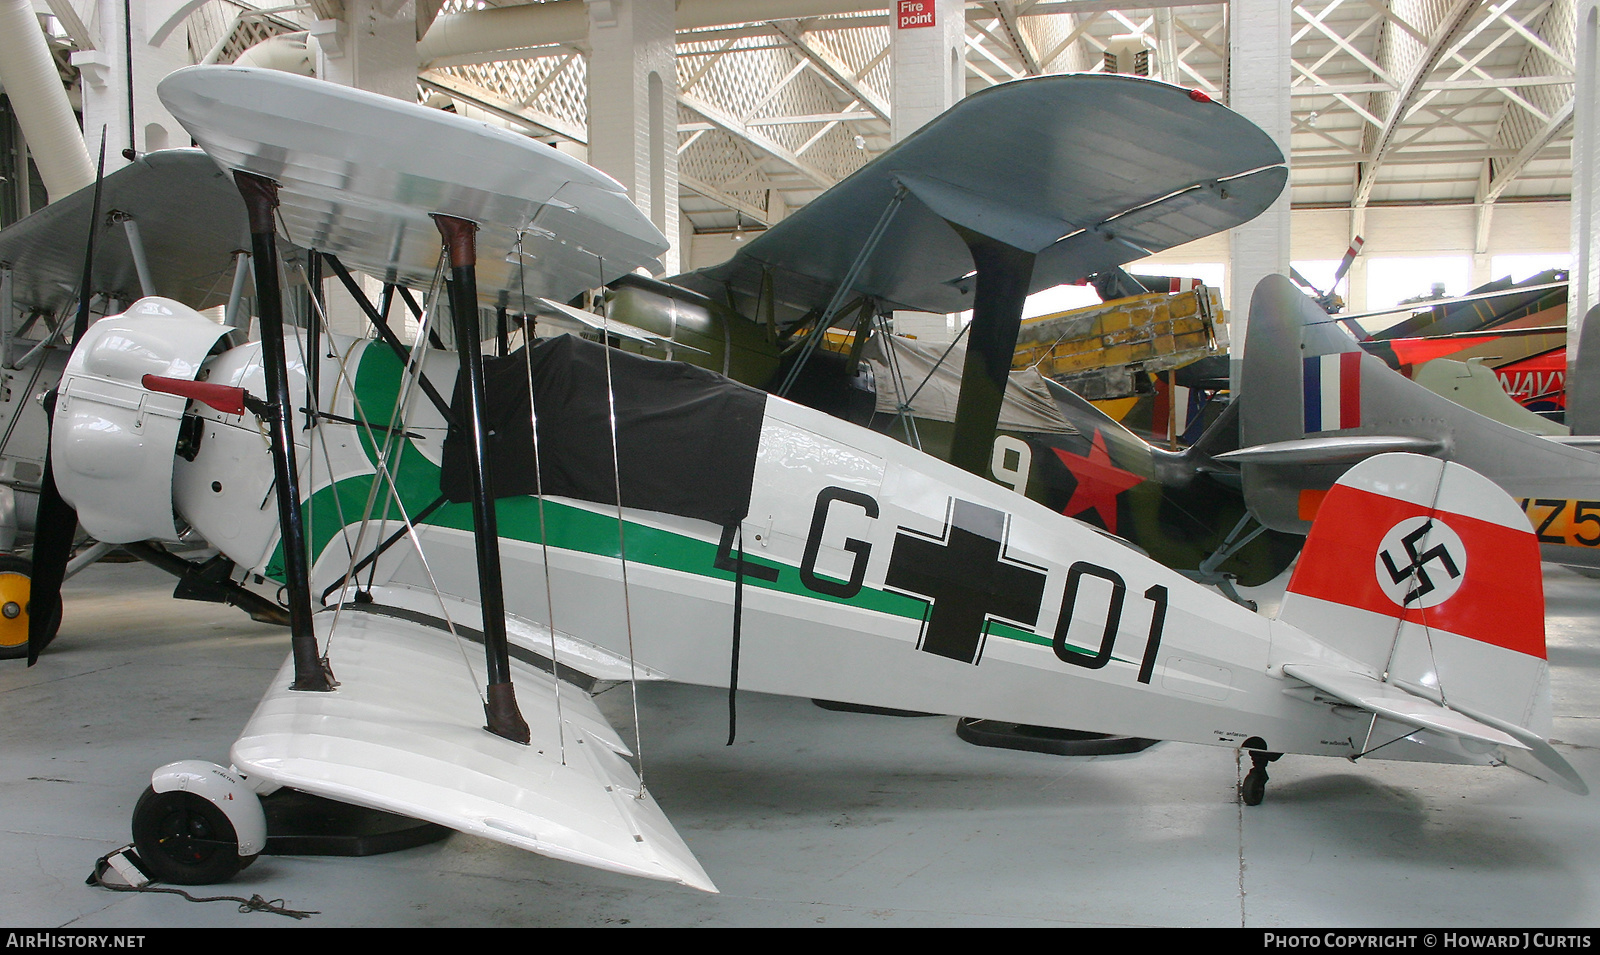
{"x":872,"y":573}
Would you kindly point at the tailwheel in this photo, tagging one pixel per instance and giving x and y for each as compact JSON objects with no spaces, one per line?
{"x":184,"y":839}
{"x":16,"y":579}
{"x":1253,"y":788}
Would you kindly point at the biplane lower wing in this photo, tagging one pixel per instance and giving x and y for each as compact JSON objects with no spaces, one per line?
{"x":402,"y":735}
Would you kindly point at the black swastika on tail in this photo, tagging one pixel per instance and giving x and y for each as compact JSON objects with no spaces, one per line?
{"x":1419,"y":563}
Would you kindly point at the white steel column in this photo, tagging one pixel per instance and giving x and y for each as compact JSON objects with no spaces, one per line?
{"x":1583,"y":398}
{"x":1258,"y":89}
{"x":633,"y":107}
{"x":374,"y":48}
{"x":927,"y":50}
{"x":106,"y":77}
{"x":1585,"y":290}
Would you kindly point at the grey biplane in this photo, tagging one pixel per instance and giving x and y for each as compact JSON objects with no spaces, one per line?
{"x":954,"y":222}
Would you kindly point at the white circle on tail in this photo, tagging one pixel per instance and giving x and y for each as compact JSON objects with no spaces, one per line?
{"x":1420,"y":562}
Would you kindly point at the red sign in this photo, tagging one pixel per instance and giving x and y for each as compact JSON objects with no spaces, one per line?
{"x":914,"y":13}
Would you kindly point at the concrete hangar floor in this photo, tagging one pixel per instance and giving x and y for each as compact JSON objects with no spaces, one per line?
{"x":814,"y":817}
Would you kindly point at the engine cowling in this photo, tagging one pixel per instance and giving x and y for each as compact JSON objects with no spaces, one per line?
{"x":113,"y":441}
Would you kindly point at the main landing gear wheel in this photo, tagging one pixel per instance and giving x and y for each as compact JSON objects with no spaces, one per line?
{"x":16,"y":586}
{"x":184,"y":839}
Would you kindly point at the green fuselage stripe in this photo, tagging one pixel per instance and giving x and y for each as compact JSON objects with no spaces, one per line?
{"x":570,"y":528}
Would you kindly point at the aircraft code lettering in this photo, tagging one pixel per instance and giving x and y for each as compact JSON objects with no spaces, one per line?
{"x":1568,"y":522}
{"x":1069,"y":606}
{"x":859,"y":548}
{"x":726,"y":561}
{"x":967,"y":580}
{"x":1157,"y":596}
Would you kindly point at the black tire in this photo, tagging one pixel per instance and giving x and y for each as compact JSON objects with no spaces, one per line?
{"x":184,"y":839}
{"x":16,"y":576}
{"x":1254,"y":787}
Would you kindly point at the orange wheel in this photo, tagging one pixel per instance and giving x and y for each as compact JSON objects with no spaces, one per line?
{"x":15,"y":588}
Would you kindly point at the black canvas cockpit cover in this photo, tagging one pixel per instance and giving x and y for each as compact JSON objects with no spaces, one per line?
{"x":686,"y":437}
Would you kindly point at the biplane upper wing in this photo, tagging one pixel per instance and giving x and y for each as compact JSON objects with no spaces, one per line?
{"x":360,"y":175}
{"x":1087,"y":171}
{"x":188,"y":219}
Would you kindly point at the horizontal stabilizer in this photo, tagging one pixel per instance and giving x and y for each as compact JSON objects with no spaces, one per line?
{"x":1341,"y":449}
{"x":404,"y":733}
{"x":1393,"y":703}
{"x":1586,"y":442}
{"x":1540,"y":760}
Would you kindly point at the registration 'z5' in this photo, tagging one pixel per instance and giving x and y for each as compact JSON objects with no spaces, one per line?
{"x":1567,"y":522}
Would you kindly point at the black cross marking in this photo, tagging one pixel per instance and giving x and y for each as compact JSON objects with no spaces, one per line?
{"x":1419,"y":562}
{"x":965,"y":580}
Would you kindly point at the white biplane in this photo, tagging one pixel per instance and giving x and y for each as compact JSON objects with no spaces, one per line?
{"x":657,"y":521}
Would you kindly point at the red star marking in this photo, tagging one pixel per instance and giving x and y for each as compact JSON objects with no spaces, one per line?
{"x":1099,"y":482}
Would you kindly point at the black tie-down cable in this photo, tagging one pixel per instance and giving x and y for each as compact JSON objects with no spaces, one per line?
{"x":254,"y":903}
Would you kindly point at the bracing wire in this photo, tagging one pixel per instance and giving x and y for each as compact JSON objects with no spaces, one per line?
{"x":321,"y":437}
{"x":538,"y":476}
{"x":1422,"y":612}
{"x":410,"y":375}
{"x":1046,"y":353}
{"x":622,"y":537}
{"x":384,"y":478}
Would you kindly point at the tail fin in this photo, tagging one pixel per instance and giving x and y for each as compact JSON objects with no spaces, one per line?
{"x":1284,"y":321}
{"x":1583,"y":378}
{"x":1314,"y":402}
{"x":1428,"y":574}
